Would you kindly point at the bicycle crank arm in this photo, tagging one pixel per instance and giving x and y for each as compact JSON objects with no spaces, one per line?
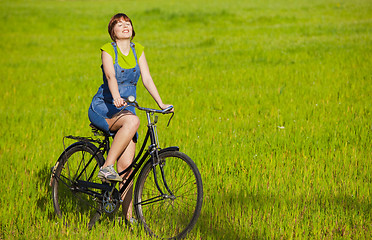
{"x":85,"y":184}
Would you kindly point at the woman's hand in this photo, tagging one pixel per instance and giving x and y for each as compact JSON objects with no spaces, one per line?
{"x":164,"y":106}
{"x":119,"y":102}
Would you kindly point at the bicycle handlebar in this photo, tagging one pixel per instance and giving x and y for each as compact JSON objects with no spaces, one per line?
{"x":132,"y":101}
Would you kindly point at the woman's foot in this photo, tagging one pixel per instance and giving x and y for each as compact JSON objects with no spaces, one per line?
{"x":109,"y":174}
{"x":131,"y":221}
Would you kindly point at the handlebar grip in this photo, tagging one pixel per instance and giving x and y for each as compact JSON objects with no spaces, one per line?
{"x":168,"y":109}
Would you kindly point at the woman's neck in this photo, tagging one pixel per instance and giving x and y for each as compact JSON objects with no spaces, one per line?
{"x":124,"y":46}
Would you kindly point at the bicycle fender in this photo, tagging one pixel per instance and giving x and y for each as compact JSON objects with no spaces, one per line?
{"x":53,"y":169}
{"x":169,"y":149}
{"x":69,"y":147}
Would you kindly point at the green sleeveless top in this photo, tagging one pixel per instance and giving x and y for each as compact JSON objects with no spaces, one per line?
{"x":124,"y":61}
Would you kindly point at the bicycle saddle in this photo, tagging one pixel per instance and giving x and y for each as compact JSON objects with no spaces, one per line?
{"x":99,"y":132}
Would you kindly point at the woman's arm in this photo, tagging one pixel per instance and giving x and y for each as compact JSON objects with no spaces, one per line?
{"x":148,"y":82}
{"x":108,"y":67}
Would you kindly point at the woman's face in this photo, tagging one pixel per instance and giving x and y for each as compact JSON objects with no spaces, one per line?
{"x":123,"y":30}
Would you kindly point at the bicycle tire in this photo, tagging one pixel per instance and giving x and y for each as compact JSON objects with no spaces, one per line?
{"x":169,"y":218}
{"x":71,"y":205}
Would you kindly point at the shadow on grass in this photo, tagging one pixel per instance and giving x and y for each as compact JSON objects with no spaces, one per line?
{"x":209,"y":229}
{"x":45,"y":200}
{"x":217,"y":220}
{"x":70,"y":203}
{"x":218,"y":225}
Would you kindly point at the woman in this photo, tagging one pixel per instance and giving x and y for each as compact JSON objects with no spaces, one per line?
{"x":122,"y":64}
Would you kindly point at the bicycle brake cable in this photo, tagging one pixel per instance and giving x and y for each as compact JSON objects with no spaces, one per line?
{"x":170,"y":119}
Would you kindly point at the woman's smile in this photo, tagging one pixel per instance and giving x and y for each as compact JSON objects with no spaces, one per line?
{"x":123,"y":29}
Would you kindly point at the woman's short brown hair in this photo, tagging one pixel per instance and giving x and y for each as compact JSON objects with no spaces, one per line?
{"x":114,"y":20}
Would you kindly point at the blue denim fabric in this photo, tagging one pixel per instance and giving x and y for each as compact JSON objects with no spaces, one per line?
{"x":102,"y":105}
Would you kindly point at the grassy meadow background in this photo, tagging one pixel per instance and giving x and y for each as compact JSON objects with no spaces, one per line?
{"x":272,"y":99}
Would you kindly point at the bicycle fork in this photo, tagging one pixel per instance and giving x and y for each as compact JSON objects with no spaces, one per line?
{"x":158,"y":163}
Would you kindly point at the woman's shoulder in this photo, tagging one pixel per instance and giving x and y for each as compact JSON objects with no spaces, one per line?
{"x":139,"y":48}
{"x":107,"y":47}
{"x":137,"y":44}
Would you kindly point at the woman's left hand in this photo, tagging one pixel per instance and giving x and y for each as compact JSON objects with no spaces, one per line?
{"x":164,"y":106}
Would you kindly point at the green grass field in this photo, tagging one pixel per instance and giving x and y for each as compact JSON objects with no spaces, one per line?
{"x":273,"y":103}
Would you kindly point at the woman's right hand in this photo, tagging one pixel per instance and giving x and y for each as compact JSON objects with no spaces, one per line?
{"x":119,"y":102}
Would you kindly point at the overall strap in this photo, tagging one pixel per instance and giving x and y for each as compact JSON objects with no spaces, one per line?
{"x":132,"y":45}
{"x":116,"y":51}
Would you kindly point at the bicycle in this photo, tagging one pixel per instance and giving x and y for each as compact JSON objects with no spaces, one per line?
{"x":168,"y":193}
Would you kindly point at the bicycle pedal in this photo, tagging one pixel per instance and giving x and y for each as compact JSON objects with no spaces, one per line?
{"x":104,"y":180}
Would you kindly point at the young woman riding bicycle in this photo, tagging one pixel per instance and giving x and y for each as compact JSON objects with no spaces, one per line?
{"x":123,"y":62}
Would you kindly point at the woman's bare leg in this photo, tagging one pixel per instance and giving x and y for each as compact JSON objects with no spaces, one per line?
{"x":123,"y":146}
{"x":126,"y":126}
{"x":124,"y":162}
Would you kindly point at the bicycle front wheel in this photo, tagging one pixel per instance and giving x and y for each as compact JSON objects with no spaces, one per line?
{"x":174,"y":213}
{"x":80,"y":162}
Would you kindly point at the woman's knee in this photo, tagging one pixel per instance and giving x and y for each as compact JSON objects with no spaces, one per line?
{"x":134,"y":121}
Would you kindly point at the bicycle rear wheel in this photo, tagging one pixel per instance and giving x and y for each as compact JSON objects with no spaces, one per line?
{"x":171,"y":215}
{"x":80,"y":161}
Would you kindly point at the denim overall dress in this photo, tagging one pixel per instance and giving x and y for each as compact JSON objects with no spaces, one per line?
{"x":102,"y":105}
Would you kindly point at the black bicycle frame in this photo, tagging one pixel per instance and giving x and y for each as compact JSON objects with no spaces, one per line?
{"x":153,"y":152}
{"x":105,"y":145}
